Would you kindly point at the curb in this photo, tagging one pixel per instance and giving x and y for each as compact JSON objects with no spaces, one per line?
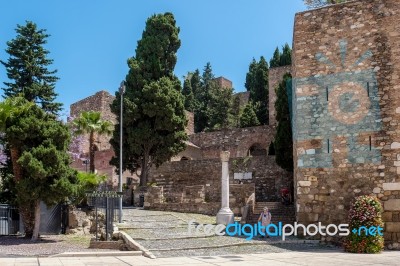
{"x":98,"y":254}
{"x":135,"y":245}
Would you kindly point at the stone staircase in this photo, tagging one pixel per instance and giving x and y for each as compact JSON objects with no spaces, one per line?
{"x":279,"y":212}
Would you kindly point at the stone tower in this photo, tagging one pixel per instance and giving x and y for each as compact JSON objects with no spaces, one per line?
{"x":346,"y":83}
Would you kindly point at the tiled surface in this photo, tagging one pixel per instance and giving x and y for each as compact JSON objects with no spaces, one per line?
{"x":287,"y":258}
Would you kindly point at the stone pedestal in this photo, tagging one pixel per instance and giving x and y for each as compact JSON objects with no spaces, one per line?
{"x":225,"y":215}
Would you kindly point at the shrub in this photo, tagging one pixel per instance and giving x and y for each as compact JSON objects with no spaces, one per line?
{"x":364,"y":211}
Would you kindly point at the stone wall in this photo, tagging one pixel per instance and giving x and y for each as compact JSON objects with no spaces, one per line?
{"x":274,"y":78}
{"x":223,"y":82}
{"x":192,"y":199}
{"x":267,"y":177}
{"x":99,"y":102}
{"x":190,"y":126}
{"x":346,"y":69}
{"x":243,"y":98}
{"x":237,"y":140}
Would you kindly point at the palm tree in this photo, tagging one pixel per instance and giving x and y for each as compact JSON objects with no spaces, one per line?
{"x":91,"y":123}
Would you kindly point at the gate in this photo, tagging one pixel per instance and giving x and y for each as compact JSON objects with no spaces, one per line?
{"x":9,"y":220}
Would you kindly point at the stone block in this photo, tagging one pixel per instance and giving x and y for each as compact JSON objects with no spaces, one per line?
{"x":391,"y":186}
{"x":395,"y":145}
{"x":392,"y":205}
{"x":393,"y":227}
{"x":304,"y":183}
{"x":387,"y":216}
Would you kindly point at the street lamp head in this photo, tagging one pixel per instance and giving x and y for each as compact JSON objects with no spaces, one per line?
{"x":122,"y":87}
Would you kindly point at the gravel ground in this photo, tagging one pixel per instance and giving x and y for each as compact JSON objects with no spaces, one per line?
{"x":166,"y":234}
{"x":47,"y":245}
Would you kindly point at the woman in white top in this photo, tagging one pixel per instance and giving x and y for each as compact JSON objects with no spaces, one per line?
{"x":265,"y":218}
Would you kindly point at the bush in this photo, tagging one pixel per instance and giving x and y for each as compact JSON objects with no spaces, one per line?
{"x":364,"y":211}
{"x":87,"y":182}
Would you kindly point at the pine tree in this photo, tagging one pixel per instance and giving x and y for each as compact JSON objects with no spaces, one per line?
{"x":154,"y":113}
{"x":249,"y":117}
{"x":40,"y":162}
{"x":283,"y":139}
{"x":27,"y":68}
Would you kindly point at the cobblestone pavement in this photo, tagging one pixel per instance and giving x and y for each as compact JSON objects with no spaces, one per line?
{"x":166,"y":234}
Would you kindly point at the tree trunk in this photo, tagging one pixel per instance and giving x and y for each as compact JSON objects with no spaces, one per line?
{"x":91,"y":152}
{"x":25,"y":208}
{"x":28,"y":217}
{"x":35,"y":235}
{"x":144,"y":170}
{"x":17,"y":171}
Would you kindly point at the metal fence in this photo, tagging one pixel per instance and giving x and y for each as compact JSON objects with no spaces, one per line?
{"x":9,"y":220}
{"x":106,"y":203}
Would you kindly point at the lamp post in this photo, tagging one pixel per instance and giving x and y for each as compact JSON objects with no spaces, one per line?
{"x":121,"y":93}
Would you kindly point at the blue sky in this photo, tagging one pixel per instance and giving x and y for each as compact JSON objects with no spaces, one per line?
{"x":91,"y":40}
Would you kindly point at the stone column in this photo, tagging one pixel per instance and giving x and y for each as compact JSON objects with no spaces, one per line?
{"x":225,"y":215}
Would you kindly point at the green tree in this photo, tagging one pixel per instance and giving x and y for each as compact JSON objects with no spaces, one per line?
{"x":286,"y":56}
{"x":319,"y":3}
{"x":203,"y":97}
{"x":276,"y":59}
{"x":154,"y":113}
{"x":27,"y":68}
{"x":249,"y":117}
{"x":257,"y":85}
{"x":91,"y":123}
{"x":283,"y":58}
{"x":283,"y":139}
{"x":86,"y":182}
{"x":220,"y":108}
{"x":38,"y":144}
{"x":187,"y":92}
{"x":236,"y":111}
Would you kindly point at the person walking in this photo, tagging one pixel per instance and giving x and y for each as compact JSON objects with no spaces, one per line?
{"x":265,"y":218}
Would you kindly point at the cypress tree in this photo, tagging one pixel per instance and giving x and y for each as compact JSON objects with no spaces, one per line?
{"x":154,"y":113}
{"x":283,"y":143}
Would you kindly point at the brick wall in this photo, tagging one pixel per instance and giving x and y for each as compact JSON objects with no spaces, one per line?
{"x":274,"y":78}
{"x":346,"y":69}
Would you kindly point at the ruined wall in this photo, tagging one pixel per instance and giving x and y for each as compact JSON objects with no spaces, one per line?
{"x":238,"y":140}
{"x":346,"y":69}
{"x":274,"y":78}
{"x":223,"y":82}
{"x":193,"y":200}
{"x":99,"y":102}
{"x":243,"y":98}
{"x":175,"y":176}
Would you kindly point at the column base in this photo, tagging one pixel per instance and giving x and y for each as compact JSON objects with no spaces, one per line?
{"x":225,"y":216}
